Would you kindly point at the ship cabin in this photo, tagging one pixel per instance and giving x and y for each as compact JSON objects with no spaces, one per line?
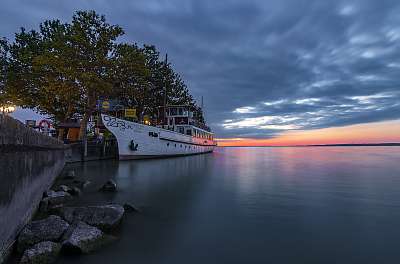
{"x":181,"y":119}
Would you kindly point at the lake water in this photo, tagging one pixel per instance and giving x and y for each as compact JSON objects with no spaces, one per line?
{"x":254,"y":205}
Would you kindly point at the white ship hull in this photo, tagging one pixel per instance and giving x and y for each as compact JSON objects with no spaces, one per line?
{"x":137,"y":141}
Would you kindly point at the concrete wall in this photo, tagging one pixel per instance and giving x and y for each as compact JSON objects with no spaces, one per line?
{"x":29,"y":163}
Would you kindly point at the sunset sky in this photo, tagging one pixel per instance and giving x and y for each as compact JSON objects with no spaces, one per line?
{"x":379,"y":132}
{"x":277,"y":72}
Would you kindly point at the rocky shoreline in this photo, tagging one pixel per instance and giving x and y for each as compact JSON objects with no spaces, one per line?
{"x":62,"y":229}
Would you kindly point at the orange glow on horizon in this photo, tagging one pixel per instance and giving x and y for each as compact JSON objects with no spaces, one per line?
{"x":379,"y":132}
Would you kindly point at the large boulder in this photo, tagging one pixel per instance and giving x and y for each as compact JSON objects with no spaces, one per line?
{"x":49,"y":229}
{"x":53,"y":200}
{"x":64,"y":188}
{"x":131,"y":208}
{"x":41,"y":253}
{"x":109,"y":186}
{"x":105,"y":217}
{"x":85,"y":184}
{"x":82,"y":238}
{"x":75,"y":191}
{"x":70,"y":175}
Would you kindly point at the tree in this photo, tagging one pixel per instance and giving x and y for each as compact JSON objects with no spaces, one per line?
{"x":63,"y":69}
{"x":3,"y":70}
{"x":164,"y":82}
{"x":131,"y":77}
{"x":40,"y":76}
{"x":60,"y":93}
{"x":93,"y":40}
{"x":22,"y":81}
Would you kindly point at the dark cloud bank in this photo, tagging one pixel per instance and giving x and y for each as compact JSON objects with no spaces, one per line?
{"x":263,"y":67}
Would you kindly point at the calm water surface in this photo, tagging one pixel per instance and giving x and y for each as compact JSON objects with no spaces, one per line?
{"x":254,"y":205}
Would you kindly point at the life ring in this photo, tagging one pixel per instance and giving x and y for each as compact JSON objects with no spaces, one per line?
{"x":40,"y":125}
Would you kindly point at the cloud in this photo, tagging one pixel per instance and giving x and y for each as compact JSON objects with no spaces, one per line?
{"x":245,"y":110}
{"x":263,"y":67}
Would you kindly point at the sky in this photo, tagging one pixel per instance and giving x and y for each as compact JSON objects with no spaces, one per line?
{"x":272,"y":71}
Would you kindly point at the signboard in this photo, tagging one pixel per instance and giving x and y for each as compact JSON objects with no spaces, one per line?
{"x":130,"y":112}
{"x":105,"y":105}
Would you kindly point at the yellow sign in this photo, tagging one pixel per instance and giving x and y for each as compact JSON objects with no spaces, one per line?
{"x":130,"y":113}
{"x":105,"y":105}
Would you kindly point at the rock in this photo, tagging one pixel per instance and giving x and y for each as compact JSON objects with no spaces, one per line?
{"x":64,"y":188}
{"x":49,"y":229}
{"x":109,"y":186}
{"x":131,"y":208}
{"x":85,"y":184}
{"x":48,"y":193}
{"x":43,"y":252}
{"x":44,"y":205}
{"x":83,"y":238}
{"x":75,"y":191}
{"x":54,"y":200}
{"x":105,"y":217}
{"x":70,"y":175}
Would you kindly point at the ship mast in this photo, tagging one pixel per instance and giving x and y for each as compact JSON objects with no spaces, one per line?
{"x":165,"y":89}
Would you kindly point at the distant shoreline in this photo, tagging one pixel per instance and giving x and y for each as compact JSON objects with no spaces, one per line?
{"x":323,"y":145}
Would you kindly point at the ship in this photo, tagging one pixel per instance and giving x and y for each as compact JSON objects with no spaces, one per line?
{"x":176,"y":133}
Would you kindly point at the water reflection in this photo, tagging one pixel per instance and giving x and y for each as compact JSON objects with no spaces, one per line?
{"x":256,"y":205}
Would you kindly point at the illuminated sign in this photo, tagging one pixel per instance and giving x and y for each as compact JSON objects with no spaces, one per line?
{"x":130,"y":112}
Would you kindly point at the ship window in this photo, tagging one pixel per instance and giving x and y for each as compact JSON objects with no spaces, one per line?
{"x":189,"y":132}
{"x":175,"y":145}
{"x":180,"y":111}
{"x":167,"y":144}
{"x":182,"y":130}
{"x":181,"y":145}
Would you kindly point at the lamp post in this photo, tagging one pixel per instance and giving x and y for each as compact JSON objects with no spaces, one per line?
{"x":7,"y":109}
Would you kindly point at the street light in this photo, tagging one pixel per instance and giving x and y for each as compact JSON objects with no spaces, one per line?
{"x":7,"y":109}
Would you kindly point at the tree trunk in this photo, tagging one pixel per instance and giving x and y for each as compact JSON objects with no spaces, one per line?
{"x":83,"y":132}
{"x":91,"y":103}
{"x":83,"y":125}
{"x":61,"y":134}
{"x":66,"y":117}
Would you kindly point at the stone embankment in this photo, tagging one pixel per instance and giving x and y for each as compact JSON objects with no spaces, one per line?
{"x":75,"y":230}
{"x":63,"y":229}
{"x":29,"y":162}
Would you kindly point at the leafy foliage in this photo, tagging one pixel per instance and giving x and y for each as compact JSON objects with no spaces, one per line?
{"x":3,"y":70}
{"x":64,"y":68}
